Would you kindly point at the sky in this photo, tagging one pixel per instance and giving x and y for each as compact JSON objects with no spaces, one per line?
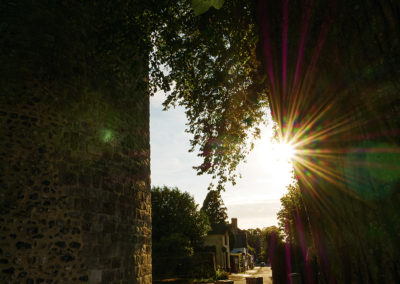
{"x":254,"y":200}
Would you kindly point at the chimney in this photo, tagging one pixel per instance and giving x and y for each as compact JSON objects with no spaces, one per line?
{"x":234,"y":223}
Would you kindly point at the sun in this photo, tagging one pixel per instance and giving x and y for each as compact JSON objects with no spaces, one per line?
{"x":275,"y":154}
{"x":275,"y":159}
{"x":284,"y":151}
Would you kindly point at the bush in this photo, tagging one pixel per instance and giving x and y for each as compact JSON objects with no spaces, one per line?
{"x":221,"y":274}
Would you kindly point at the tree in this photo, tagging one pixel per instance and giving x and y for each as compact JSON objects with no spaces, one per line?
{"x":255,"y":240}
{"x":294,"y":221}
{"x":179,"y":229}
{"x":276,"y":254}
{"x":214,"y":208}
{"x":212,"y":66}
{"x":293,"y":217}
{"x":175,"y":215}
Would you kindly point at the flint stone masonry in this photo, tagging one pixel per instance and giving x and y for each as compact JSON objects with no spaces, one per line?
{"x":74,"y":147}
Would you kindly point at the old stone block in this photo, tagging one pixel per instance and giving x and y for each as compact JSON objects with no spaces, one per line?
{"x":84,"y":278}
{"x":109,"y":208}
{"x":22,"y":274}
{"x":61,"y":244}
{"x":23,"y":245}
{"x":116,"y":263}
{"x":75,"y":245}
{"x":97,"y":227}
{"x":109,"y":227}
{"x":69,"y":178}
{"x":76,"y":230}
{"x":9,"y":270}
{"x":254,"y":280}
{"x":67,"y":257}
{"x":225,"y":282}
{"x":108,"y":276}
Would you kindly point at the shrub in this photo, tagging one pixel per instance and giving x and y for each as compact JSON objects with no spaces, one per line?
{"x":221,"y":274}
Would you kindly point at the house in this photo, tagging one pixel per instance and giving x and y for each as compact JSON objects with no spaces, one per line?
{"x":238,"y":260}
{"x":218,"y":237}
{"x":240,"y":235}
{"x":241,"y":260}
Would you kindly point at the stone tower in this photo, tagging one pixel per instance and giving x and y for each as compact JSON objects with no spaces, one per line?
{"x":74,"y":148}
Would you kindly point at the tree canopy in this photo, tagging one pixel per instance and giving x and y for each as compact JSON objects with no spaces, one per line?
{"x":214,"y":208}
{"x":175,"y":216}
{"x":293,"y":217}
{"x":256,"y":240}
{"x":208,"y":65}
{"x":179,"y":229}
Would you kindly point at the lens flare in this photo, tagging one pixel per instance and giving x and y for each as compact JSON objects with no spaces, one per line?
{"x":285,"y":151}
{"x":337,"y":115}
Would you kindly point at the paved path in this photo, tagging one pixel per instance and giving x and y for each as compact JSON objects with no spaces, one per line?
{"x":265,"y":272}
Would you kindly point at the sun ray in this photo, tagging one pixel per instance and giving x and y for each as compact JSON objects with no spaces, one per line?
{"x":305,"y":110}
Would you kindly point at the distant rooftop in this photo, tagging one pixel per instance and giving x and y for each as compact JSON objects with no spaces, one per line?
{"x":238,"y":250}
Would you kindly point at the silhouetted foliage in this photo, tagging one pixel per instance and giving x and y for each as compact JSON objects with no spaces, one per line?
{"x":294,"y":222}
{"x":214,"y":208}
{"x":179,"y":229}
{"x":275,"y":251}
{"x":256,"y":240}
{"x":333,"y":68}
{"x":293,"y":218}
{"x":176,"y":213}
{"x":214,"y":74}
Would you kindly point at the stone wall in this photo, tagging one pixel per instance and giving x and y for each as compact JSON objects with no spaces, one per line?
{"x":74,"y":148}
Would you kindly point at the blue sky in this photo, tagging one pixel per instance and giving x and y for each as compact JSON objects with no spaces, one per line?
{"x":254,"y":200}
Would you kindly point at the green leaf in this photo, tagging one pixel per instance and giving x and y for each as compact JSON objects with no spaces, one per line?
{"x":217,"y":3}
{"x":201,"y":6}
